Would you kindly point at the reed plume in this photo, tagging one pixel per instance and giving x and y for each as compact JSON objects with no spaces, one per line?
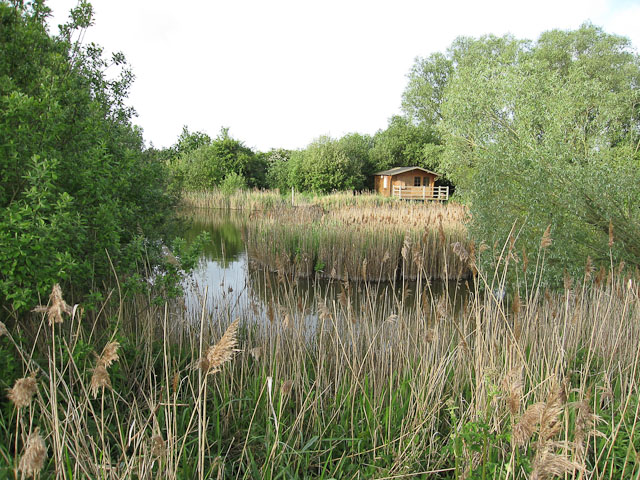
{"x":526,"y":426}
{"x":546,"y":238}
{"x":286,"y":387}
{"x":550,"y":424}
{"x":109,"y":354}
{"x":585,"y":423}
{"x":547,"y":465}
{"x":158,"y":446}
{"x":100,"y":378}
{"x":34,"y":455}
{"x":512,"y":385}
{"x":23,"y":391}
{"x":222,"y":352}
{"x":57,"y":306}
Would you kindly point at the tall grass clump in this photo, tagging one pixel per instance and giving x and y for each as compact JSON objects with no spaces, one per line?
{"x":240,"y":199}
{"x":362,"y":242}
{"x":273,"y":199}
{"x":310,"y":383}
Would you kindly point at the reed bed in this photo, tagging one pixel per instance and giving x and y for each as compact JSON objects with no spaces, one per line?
{"x":239,"y":200}
{"x":273,"y":199}
{"x":538,"y":385}
{"x":410,"y":241}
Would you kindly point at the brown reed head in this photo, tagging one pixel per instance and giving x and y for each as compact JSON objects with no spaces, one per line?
{"x":550,"y":424}
{"x":286,"y":388}
{"x":109,"y":354}
{"x":547,"y":465}
{"x":610,"y":234}
{"x":584,"y":424}
{"x":57,"y":306}
{"x":23,"y":391}
{"x":546,"y":238}
{"x":3,"y":329}
{"x":158,"y":446}
{"x":526,"y":426}
{"x":222,"y":352}
{"x":100,"y":379}
{"x":460,"y":251}
{"x":35,"y":453}
{"x":512,"y":385}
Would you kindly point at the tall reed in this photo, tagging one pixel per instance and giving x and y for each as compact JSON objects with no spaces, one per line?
{"x":534,"y":385}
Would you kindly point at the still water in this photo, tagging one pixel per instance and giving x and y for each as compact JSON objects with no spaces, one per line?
{"x":227,"y":282}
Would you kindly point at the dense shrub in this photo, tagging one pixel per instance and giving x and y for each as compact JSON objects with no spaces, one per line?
{"x":75,"y":185}
{"x":208,"y":164}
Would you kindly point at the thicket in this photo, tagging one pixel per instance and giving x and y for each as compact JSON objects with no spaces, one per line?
{"x":199,"y":163}
{"x":541,"y":134}
{"x":301,"y":380}
{"x":327,"y":164}
{"x":79,"y":197}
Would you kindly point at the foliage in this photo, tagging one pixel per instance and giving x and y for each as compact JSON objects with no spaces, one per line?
{"x":327,"y":165}
{"x":233,"y":182}
{"x":277,"y":176}
{"x":188,"y":142}
{"x":542,"y":133}
{"x":424,"y":94}
{"x":206,"y":166}
{"x":75,"y":186}
{"x":405,"y":144}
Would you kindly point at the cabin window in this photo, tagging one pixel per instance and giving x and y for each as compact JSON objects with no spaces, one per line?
{"x":426,"y":181}
{"x":416,"y":181}
{"x":385,"y":182}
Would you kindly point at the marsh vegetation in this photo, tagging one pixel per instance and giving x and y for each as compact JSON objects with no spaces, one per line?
{"x":337,"y":336}
{"x":537,"y":385}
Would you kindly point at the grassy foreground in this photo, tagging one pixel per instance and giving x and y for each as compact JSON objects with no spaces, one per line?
{"x":542,"y":385}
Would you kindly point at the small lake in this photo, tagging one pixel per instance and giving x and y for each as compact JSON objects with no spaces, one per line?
{"x":233,"y":283}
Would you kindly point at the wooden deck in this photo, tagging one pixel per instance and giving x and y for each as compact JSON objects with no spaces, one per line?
{"x":421,"y":193}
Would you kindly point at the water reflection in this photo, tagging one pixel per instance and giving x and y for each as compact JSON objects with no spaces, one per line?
{"x":233,"y":283}
{"x":224,"y":230}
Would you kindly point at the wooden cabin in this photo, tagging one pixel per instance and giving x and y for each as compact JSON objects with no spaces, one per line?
{"x":410,"y":183}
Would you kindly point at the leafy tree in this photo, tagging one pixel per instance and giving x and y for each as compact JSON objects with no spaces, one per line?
{"x":423,"y":97}
{"x":188,"y":142}
{"x":357,"y":149}
{"x":206,"y":166}
{"x":327,"y":165}
{"x":232,"y":183}
{"x":547,"y":133}
{"x":277,"y":175}
{"x":75,"y":184}
{"x":405,"y":144}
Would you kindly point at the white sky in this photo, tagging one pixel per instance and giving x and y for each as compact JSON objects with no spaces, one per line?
{"x":280,"y":73}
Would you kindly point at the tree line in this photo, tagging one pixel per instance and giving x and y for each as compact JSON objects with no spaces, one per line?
{"x":536,"y":136}
{"x":199,"y":162}
{"x":81,"y":199}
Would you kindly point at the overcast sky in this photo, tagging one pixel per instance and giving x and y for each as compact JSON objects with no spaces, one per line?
{"x":280,"y":73}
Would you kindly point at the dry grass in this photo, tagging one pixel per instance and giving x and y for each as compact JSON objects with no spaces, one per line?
{"x":409,"y":241}
{"x":394,"y":386}
{"x":254,"y":200}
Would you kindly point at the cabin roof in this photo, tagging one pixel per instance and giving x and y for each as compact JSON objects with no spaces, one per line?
{"x":399,"y":170}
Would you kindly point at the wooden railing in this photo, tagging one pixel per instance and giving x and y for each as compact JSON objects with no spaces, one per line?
{"x":421,"y":193}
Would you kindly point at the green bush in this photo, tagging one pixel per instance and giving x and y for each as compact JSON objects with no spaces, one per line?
{"x":78,"y":195}
{"x":232,"y":183}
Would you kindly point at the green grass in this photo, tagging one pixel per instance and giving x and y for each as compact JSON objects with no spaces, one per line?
{"x":397,"y":386}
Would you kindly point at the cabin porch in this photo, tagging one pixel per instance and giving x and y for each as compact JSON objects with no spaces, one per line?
{"x":424,"y":193}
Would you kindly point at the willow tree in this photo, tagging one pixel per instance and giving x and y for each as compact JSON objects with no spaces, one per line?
{"x":547,"y":133}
